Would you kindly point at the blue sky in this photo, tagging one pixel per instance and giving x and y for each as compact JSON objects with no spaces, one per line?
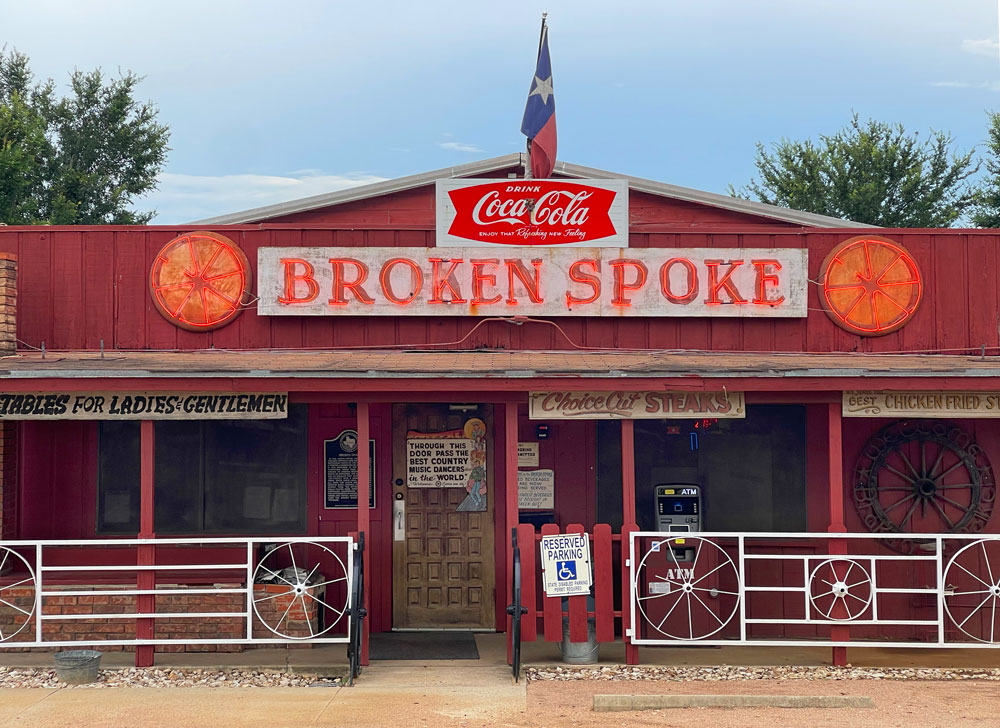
{"x":275,"y":101}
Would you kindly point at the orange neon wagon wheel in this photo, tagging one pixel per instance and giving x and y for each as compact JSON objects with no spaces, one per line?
{"x":871,"y":285}
{"x":200,"y":281}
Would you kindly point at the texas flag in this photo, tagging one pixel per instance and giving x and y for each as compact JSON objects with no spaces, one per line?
{"x":539,"y":122}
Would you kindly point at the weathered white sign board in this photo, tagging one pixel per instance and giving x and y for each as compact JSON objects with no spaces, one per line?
{"x":566,"y":564}
{"x":382,"y":281}
{"x":438,"y":462}
{"x":536,"y":489}
{"x":527,"y":454}
{"x":143,"y":406}
{"x":921,"y":404}
{"x":569,"y":405}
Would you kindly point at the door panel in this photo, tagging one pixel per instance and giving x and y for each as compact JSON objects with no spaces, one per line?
{"x":443,"y":566}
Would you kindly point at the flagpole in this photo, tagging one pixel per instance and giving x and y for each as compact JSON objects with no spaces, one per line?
{"x":541,"y":39}
{"x":541,"y":34}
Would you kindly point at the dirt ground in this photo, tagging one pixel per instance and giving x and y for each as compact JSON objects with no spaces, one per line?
{"x":910,"y":704}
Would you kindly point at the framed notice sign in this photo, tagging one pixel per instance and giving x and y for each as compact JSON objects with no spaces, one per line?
{"x":340,"y":469}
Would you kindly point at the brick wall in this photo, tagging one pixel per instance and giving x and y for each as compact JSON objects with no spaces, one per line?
{"x":8,"y":430}
{"x":97,"y":630}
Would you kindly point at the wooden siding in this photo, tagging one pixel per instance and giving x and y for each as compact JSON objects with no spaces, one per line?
{"x":415,"y":208}
{"x":80,"y":286}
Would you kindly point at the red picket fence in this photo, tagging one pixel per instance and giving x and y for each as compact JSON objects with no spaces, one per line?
{"x":545,"y":614}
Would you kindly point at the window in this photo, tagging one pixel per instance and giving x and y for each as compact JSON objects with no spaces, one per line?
{"x":212,"y":476}
{"x":752,"y":471}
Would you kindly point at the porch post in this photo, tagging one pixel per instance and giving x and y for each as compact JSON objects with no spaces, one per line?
{"x":835,"y":454}
{"x":146,"y":579}
{"x":510,"y":505}
{"x":364,"y":517}
{"x":628,"y":524}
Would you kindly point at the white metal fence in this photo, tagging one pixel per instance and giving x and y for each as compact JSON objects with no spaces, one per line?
{"x":811,"y":589}
{"x":211,"y":591}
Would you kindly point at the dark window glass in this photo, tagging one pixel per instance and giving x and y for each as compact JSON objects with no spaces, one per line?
{"x":752,"y":471}
{"x":178,"y":485}
{"x":118,"y":478}
{"x":212,"y":476}
{"x":255,"y":474}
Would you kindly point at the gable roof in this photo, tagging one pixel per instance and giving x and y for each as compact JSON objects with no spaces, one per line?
{"x":564,"y":169}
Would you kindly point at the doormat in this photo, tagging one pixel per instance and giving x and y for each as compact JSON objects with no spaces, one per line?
{"x":423,"y":646}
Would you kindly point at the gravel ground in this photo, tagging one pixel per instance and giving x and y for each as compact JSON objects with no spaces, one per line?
{"x":733,"y":672}
{"x":159,"y":678}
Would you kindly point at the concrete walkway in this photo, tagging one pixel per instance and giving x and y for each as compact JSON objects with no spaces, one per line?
{"x":390,"y":693}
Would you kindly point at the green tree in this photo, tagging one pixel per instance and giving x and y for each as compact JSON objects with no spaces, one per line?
{"x":868,"y":172}
{"x":81,"y":159}
{"x":986,"y":213}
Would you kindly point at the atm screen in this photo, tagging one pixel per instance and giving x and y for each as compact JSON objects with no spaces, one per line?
{"x":678,"y":505}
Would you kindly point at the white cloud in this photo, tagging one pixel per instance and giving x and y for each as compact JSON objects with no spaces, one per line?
{"x":460,"y":147}
{"x":185,"y":197}
{"x":991,"y":85}
{"x":984,"y":47}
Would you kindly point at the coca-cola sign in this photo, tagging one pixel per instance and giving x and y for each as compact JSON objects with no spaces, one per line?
{"x":532,"y":212}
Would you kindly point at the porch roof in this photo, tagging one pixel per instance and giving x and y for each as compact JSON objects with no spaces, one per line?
{"x":400,"y":364}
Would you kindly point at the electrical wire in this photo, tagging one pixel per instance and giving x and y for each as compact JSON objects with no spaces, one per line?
{"x":521,"y":320}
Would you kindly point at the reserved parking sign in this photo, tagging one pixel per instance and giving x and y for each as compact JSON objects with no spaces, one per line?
{"x":566,"y":564}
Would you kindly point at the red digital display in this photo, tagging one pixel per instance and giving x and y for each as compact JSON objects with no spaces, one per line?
{"x":871,"y":285}
{"x":199,"y":281}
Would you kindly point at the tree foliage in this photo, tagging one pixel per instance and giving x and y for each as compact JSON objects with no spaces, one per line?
{"x":81,"y":159}
{"x":986,"y":213}
{"x":868,"y":172}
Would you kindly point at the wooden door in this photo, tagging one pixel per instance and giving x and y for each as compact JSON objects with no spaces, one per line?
{"x":443,"y":563}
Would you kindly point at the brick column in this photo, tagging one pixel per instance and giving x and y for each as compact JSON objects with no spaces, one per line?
{"x":8,"y":430}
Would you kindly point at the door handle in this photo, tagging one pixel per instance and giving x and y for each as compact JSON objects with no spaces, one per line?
{"x":399,"y":520}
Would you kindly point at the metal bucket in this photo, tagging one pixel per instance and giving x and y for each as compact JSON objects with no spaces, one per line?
{"x":77,"y":667}
{"x":579,"y":653}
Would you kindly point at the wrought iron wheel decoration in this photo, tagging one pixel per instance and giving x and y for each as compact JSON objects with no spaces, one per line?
{"x":916,"y":478}
{"x":516,"y":608}
{"x":358,"y":612}
{"x":16,"y":608}
{"x":973,"y":593}
{"x":840,"y":589}
{"x":287,"y":566}
{"x":675,"y":595}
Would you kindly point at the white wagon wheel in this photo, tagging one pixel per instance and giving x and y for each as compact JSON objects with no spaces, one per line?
{"x":300,"y":588}
{"x":13,"y":604}
{"x":974,"y":571}
{"x":840,"y":589}
{"x":686,"y":588}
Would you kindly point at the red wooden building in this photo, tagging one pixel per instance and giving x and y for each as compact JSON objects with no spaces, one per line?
{"x":788,"y":374}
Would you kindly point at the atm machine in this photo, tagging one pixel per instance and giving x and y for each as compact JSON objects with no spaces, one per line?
{"x":679,"y":509}
{"x":671,"y":568}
